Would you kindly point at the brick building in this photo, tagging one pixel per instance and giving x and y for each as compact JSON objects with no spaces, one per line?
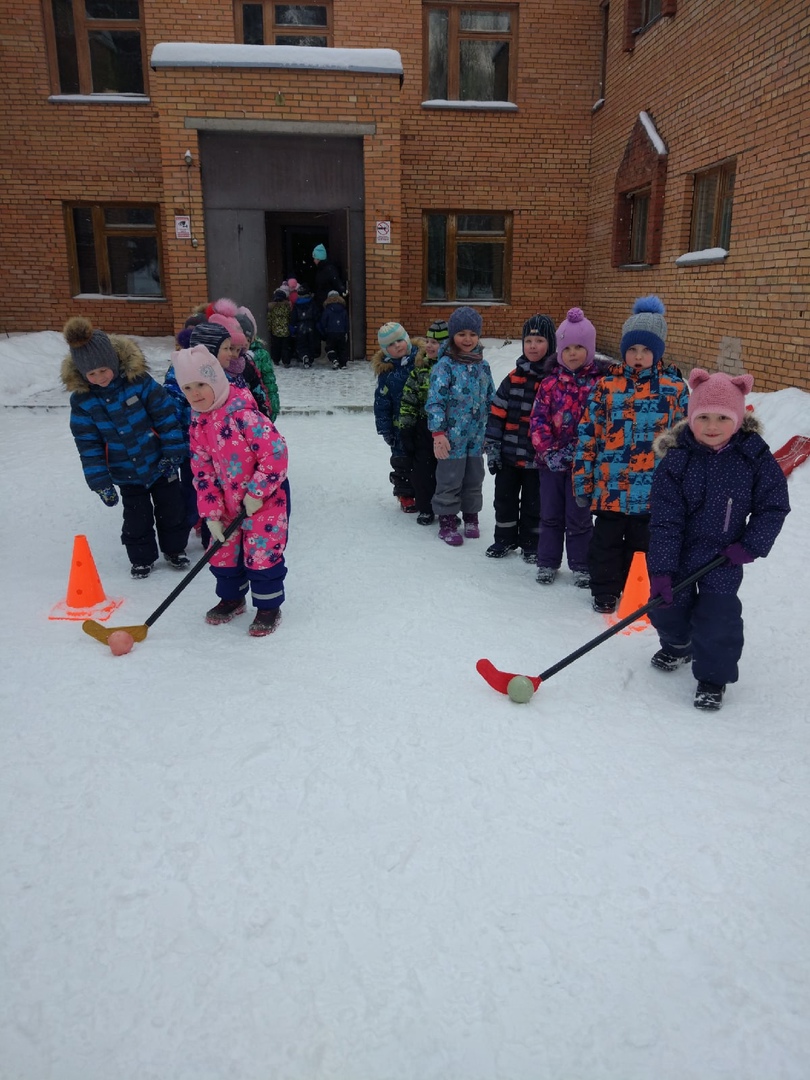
{"x":520,"y":156}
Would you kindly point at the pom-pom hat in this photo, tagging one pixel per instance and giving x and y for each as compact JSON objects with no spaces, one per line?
{"x":718,"y":393}
{"x":575,"y":329}
{"x":235,"y":332}
{"x":198,"y":365}
{"x":541,"y":326}
{"x":391,"y":332}
{"x":465,"y":318}
{"x":89,"y":348}
{"x":646,"y":326}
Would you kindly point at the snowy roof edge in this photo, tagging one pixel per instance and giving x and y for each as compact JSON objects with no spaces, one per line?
{"x":652,"y":134}
{"x":172,"y":54}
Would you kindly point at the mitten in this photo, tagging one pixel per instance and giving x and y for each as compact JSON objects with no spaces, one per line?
{"x":216,"y":529}
{"x":495,"y":465}
{"x":737,"y":555}
{"x":168,"y":468}
{"x":661,"y":585}
{"x":252,"y":504}
{"x":108,"y":495}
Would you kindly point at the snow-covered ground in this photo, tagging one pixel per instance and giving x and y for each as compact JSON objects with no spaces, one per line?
{"x":336,"y":853}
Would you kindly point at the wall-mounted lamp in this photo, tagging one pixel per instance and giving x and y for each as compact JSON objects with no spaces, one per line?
{"x":188,"y":158}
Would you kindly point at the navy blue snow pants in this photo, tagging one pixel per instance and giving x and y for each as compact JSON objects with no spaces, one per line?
{"x":708,"y":625}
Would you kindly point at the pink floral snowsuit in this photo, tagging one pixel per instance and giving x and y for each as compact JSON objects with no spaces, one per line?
{"x":236,"y":451}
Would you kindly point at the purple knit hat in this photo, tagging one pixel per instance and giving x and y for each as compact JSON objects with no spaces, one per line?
{"x":575,"y":329}
{"x":718,"y":393}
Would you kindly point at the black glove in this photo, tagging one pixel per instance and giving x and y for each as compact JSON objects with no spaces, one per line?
{"x":495,"y":465}
{"x":168,"y":468}
{"x":108,"y":495}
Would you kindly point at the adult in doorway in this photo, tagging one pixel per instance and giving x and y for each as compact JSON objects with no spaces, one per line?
{"x":327,"y":276}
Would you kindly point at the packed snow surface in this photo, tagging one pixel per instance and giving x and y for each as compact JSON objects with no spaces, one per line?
{"x":336,"y":853}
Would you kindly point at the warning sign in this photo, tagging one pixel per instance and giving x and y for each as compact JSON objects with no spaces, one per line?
{"x":383,"y":232}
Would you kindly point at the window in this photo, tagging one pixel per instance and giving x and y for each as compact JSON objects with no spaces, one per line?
{"x":470,"y":52}
{"x":466,"y":256}
{"x":640,"y":14}
{"x":113,"y":250}
{"x":711,"y":208}
{"x":97,"y":46}
{"x":267,"y":23}
{"x":639,"y":213}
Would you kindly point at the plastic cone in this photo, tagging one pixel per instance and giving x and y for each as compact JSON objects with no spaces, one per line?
{"x":636,"y":594}
{"x":85,"y":596}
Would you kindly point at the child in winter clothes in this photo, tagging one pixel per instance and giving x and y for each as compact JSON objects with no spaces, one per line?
{"x":224,"y":339}
{"x":508,"y":445}
{"x":570,"y":376}
{"x":304,"y":327}
{"x":461,"y":392}
{"x":333,"y":326}
{"x":392,"y":365}
{"x":258,"y":355}
{"x":279,"y":311}
{"x":239,"y":460}
{"x":127,"y":434}
{"x":614,"y":461}
{"x":718,"y":490}
{"x":417,"y":442}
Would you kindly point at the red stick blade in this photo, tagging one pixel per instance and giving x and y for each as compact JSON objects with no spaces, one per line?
{"x":499,"y":680}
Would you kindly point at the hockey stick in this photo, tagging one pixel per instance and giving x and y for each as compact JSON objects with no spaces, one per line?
{"x":138,"y":633}
{"x":499,"y":680}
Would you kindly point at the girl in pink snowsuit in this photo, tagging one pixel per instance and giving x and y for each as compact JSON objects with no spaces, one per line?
{"x":238,"y":459}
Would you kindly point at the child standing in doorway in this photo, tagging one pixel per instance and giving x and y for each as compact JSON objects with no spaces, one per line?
{"x":279,"y":311}
{"x":457,"y":407}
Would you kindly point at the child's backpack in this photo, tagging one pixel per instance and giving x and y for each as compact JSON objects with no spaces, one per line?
{"x":278,"y":319}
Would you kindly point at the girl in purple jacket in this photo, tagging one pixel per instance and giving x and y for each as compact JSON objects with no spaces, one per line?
{"x":718,"y":490}
{"x":561,"y":397}
{"x":238,"y":460}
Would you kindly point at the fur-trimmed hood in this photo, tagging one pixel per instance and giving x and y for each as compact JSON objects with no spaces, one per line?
{"x":131,"y":362}
{"x":381,"y":362}
{"x":672,"y":437}
{"x":336,"y":299}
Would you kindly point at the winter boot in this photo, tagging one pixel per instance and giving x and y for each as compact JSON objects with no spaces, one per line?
{"x":500,"y":549}
{"x":545,"y":575}
{"x":529,"y":555}
{"x":265,"y":622}
{"x":408,"y":504}
{"x":606,"y":604}
{"x":471,"y":530}
{"x":141,"y":570}
{"x":448,"y":530}
{"x":665,"y":661}
{"x":224,"y":611}
{"x":180,"y":561}
{"x":582,"y":579}
{"x":709,"y":696}
{"x":426,"y":517}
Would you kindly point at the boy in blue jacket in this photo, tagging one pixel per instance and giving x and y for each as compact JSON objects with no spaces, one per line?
{"x":718,"y":490}
{"x":127,"y":434}
{"x":392,"y":365}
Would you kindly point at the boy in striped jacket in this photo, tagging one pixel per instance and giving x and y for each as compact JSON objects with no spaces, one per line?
{"x":508,"y":445}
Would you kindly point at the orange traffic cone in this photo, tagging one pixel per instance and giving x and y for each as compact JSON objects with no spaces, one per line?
{"x":636,"y":594}
{"x":85,"y":596}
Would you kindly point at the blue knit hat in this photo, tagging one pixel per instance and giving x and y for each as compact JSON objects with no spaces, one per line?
{"x":465,"y":318}
{"x":646,"y":326}
{"x":319,"y":252}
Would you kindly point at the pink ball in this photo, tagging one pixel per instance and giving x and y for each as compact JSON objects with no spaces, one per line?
{"x":120,"y":642}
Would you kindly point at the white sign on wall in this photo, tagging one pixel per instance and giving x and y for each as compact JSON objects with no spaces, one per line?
{"x":383,"y":232}
{"x":182,"y":226}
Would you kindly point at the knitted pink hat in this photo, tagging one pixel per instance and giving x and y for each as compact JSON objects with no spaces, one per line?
{"x":575,"y":329}
{"x":235,"y":332}
{"x":718,"y":393}
{"x":197,"y":364}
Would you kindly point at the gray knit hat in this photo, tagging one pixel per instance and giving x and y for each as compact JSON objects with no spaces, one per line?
{"x":465,"y":318}
{"x":209,"y":334}
{"x":89,"y":348}
{"x":646,"y":326}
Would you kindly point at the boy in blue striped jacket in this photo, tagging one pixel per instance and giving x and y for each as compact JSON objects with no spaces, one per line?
{"x":127,"y":434}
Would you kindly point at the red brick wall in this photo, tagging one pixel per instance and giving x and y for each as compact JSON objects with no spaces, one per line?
{"x":720,"y":80}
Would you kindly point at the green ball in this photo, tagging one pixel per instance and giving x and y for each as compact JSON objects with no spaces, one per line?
{"x":520,"y":689}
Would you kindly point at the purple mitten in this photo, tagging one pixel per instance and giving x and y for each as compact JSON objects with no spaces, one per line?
{"x":661,"y":586}
{"x":736,"y":554}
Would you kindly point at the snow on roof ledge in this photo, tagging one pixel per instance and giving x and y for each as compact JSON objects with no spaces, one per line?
{"x":652,"y":134}
{"x":174,"y":54}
